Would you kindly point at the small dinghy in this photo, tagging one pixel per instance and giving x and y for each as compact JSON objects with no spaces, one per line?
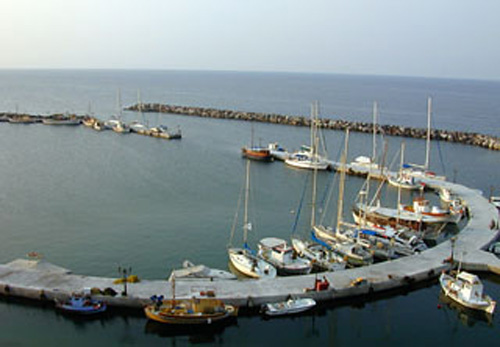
{"x":81,"y":305}
{"x":290,"y":306}
{"x":467,"y":290}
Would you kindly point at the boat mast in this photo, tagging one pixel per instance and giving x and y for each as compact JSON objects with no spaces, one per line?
{"x":246,"y":226}
{"x":314,"y":187}
{"x":400,"y":175}
{"x":374,"y":154}
{"x":119,"y":103}
{"x":428,"y":143}
{"x":340,"y":204}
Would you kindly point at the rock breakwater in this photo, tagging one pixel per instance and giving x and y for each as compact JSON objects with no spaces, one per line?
{"x":466,"y":138}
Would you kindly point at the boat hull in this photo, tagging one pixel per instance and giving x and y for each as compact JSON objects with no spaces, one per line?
{"x":171,"y":314}
{"x":250,"y":265}
{"x":289,"y":307}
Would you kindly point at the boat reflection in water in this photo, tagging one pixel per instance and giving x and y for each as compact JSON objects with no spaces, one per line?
{"x":467,"y":316}
{"x":194,"y":333}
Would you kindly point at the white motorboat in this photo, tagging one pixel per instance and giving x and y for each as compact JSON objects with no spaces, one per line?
{"x":139,"y":128}
{"x":192,"y":271}
{"x":290,"y":306}
{"x":277,"y":252}
{"x":322,"y":258}
{"x":467,"y":290}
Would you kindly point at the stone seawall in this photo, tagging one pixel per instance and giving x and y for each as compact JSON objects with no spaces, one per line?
{"x":467,"y":138}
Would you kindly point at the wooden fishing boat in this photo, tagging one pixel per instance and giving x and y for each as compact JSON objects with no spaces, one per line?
{"x":257,"y":153}
{"x":189,"y":311}
{"x":290,"y":306}
{"x":467,"y":290}
{"x":81,"y":305}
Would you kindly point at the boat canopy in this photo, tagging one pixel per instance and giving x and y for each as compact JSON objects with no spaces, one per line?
{"x":468,"y":277}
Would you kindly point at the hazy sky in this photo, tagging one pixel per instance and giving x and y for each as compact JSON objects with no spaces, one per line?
{"x":431,"y":38}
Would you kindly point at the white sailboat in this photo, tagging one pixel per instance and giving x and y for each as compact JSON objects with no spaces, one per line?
{"x":321,"y":256}
{"x":117,"y":124}
{"x":309,"y":157}
{"x":404,"y":179}
{"x":137,"y":126}
{"x":352,"y":250}
{"x":244,"y":259}
{"x":364,"y":165}
{"x":422,"y":171}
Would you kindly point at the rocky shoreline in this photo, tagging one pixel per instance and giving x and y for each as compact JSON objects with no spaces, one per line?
{"x":467,"y":138}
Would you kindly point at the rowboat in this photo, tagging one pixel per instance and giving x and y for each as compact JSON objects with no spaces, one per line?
{"x":81,"y":305}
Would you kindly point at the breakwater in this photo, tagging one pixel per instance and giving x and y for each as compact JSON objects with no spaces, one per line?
{"x":466,"y":138}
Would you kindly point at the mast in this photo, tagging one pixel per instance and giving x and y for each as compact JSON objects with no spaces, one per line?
{"x":340,"y":204}
{"x":374,"y":146}
{"x":399,"y":185}
{"x":119,"y":103}
{"x":428,"y":143}
{"x":246,"y":226}
{"x":314,"y":187}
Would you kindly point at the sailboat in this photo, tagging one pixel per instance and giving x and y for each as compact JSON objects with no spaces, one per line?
{"x":137,"y":126}
{"x":404,"y":179}
{"x":244,"y":259}
{"x":308,"y":157}
{"x":418,"y":216}
{"x":422,"y":171}
{"x":364,"y":165}
{"x":352,"y":250}
{"x":320,"y":254}
{"x":117,"y":124}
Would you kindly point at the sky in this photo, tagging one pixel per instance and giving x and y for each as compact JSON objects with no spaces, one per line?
{"x":427,"y":38}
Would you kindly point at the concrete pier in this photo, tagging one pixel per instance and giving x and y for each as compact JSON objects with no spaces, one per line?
{"x":41,"y":280}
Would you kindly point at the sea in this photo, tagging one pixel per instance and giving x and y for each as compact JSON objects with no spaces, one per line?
{"x":94,"y":202}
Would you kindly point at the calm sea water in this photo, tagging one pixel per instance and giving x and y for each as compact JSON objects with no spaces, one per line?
{"x":94,"y":201}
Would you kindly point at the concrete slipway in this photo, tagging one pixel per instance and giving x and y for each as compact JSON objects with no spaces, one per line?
{"x":40,"y":280}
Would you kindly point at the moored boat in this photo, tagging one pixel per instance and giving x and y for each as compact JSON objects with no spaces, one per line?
{"x":467,"y":290}
{"x":278,"y":253}
{"x":290,"y":306}
{"x":322,"y":259}
{"x":192,"y":311}
{"x":81,"y":305}
{"x":257,"y":153}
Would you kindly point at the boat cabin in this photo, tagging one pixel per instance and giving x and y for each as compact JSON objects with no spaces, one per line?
{"x":472,"y":288}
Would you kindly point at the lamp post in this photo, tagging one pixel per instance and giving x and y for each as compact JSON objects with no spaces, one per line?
{"x":124,"y":273}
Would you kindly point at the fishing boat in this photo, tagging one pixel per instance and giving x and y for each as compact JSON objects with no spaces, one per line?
{"x":290,"y":306}
{"x":277,"y":252}
{"x":466,"y":289}
{"x":193,"y":311}
{"x":244,"y":259}
{"x":257,"y":153}
{"x":309,"y":157}
{"x":81,"y":305}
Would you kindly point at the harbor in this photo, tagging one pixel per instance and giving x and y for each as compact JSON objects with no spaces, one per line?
{"x":124,"y":201}
{"x":41,"y":280}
